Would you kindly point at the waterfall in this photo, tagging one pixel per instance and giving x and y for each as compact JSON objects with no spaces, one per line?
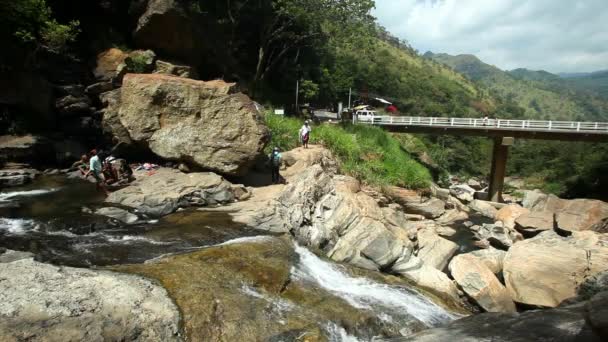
{"x":382,"y":299}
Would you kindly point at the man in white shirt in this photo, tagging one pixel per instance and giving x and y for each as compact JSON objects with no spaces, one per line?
{"x":305,"y":134}
{"x":96,"y":169}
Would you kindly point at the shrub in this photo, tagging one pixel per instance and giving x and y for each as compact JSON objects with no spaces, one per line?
{"x":57,"y":36}
{"x":364,"y":152}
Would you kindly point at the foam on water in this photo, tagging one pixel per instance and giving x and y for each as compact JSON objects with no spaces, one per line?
{"x":338,"y":334}
{"x":135,"y":238}
{"x":17,"y":226}
{"x":5,"y":196}
{"x":246,"y":239}
{"x":366,"y":294}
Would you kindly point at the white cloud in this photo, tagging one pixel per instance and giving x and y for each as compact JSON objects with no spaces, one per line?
{"x":553,"y":35}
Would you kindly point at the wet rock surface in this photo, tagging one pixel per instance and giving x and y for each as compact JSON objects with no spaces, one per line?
{"x":163,"y":191}
{"x":332,"y":214}
{"x":570,"y":323}
{"x":261,"y":289}
{"x":17,"y":177}
{"x":41,"y":302}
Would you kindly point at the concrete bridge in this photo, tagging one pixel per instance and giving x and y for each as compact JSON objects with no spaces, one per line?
{"x":502,"y":131}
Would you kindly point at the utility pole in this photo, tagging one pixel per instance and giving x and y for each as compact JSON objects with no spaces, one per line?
{"x":350,"y":90}
{"x":297,"y":93}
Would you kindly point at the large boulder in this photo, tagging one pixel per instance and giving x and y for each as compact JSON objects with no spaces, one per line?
{"x":571,"y":215}
{"x":110,"y":123}
{"x":547,"y":269}
{"x":206,"y":124}
{"x":429,"y":278}
{"x":509,"y":213}
{"x":480,"y":283}
{"x":533,"y":199}
{"x":495,"y":234}
{"x":414,"y":203}
{"x":463,"y":192}
{"x":185,"y":38}
{"x":42,"y":302}
{"x":108,"y":62}
{"x":166,"y":190}
{"x":534,"y":222}
{"x":434,"y":250}
{"x":484,"y":208}
{"x":580,"y":214}
{"x":492,"y":258}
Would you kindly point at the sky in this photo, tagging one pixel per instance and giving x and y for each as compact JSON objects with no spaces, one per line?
{"x":552,"y":35}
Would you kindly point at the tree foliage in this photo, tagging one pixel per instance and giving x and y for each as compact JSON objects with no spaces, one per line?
{"x":32,"y":22}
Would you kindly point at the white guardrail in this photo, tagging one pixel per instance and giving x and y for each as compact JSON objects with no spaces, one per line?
{"x":531,"y":125}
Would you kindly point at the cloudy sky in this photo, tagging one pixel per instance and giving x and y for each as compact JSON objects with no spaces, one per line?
{"x":553,"y":35}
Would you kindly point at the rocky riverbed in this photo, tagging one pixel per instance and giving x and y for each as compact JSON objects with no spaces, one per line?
{"x":321,"y":258}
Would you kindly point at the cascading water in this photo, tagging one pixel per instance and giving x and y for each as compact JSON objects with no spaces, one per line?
{"x":53,"y":218}
{"x":6,"y":196}
{"x":51,"y":223}
{"x":387,"y":301}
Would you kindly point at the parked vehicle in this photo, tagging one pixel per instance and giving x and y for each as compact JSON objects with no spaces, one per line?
{"x":366,"y":115}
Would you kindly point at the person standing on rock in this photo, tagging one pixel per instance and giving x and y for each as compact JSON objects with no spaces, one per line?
{"x":305,"y":134}
{"x":96,"y":169}
{"x":275,"y":165}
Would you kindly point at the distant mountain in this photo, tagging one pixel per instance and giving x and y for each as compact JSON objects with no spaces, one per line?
{"x":595,"y":82}
{"x":532,"y":75}
{"x":573,"y":74}
{"x":540,"y":94}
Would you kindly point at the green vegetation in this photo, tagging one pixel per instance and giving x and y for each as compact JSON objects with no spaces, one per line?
{"x":566,"y":169}
{"x":528,"y":94}
{"x":331,"y":46}
{"x":366,"y":153}
{"x":32,"y":22}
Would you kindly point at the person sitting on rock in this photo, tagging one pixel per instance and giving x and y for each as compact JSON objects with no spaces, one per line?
{"x":305,"y":134}
{"x":275,"y":165}
{"x":81,"y":165}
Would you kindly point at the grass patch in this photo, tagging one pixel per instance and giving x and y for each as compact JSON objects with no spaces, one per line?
{"x":367,"y":153}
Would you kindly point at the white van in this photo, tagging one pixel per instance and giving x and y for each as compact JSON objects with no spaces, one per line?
{"x":366,"y":115}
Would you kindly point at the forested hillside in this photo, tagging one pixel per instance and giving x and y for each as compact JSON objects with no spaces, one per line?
{"x":568,"y":169}
{"x":594,"y":82}
{"x":265,"y":46}
{"x":540,"y":94}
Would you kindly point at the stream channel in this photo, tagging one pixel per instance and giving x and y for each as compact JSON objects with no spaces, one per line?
{"x":54,"y":219}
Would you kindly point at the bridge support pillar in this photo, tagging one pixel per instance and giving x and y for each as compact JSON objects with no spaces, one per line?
{"x":499,"y":166}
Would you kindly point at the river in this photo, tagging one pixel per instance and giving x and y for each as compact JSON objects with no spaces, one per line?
{"x":54,"y":219}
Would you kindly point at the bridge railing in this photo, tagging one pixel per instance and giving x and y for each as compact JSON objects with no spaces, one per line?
{"x":536,"y":125}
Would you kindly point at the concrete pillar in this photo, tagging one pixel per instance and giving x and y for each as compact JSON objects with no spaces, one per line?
{"x":499,"y":166}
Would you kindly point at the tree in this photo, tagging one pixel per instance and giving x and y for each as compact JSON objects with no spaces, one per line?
{"x":31,"y":21}
{"x":309,"y":89}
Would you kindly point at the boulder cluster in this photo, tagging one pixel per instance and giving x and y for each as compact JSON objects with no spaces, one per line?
{"x":401,"y":232}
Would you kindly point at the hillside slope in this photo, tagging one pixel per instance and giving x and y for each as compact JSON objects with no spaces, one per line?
{"x":542,"y":95}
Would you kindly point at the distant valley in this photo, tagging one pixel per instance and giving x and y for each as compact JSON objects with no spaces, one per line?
{"x":539,"y":94}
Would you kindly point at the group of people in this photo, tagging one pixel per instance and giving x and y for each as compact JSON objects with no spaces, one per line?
{"x":276,"y":157}
{"x":105,"y":169}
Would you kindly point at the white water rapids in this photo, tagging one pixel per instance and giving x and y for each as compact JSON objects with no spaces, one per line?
{"x":5,"y":196}
{"x":366,"y":294}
